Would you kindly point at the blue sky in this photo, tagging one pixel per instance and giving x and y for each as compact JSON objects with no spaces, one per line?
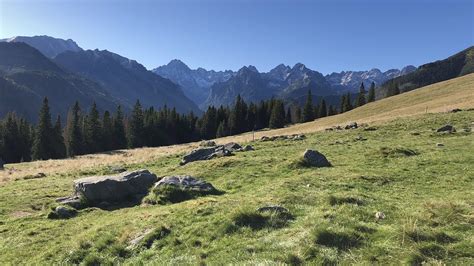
{"x":325,"y":35}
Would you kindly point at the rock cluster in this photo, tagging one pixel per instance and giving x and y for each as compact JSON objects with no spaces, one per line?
{"x":284,"y":137}
{"x":352,"y":125}
{"x":186,"y":182}
{"x":104,"y":190}
{"x":208,"y":153}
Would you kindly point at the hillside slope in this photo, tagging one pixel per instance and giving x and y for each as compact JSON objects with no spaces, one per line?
{"x":440,"y":97}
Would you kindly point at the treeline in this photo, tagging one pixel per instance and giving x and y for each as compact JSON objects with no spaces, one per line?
{"x":91,"y":131}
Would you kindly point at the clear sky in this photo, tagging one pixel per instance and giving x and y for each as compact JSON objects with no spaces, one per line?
{"x":226,"y":34}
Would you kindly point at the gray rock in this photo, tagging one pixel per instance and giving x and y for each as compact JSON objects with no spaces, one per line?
{"x":120,"y":188}
{"x":439,"y":145}
{"x":352,"y":125}
{"x":248,"y":148}
{"x":232,"y":146}
{"x":73,"y":201}
{"x":379,"y":216}
{"x":186,"y":182}
{"x":315,"y":159}
{"x":205,"y":154}
{"x":207,"y":143}
{"x":446,"y":128}
{"x":62,"y":212}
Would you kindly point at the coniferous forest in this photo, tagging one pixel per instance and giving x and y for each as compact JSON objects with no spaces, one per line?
{"x":90,"y":131}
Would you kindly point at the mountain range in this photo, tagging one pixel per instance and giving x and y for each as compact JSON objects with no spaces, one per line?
{"x":35,"y":67}
{"x":207,"y":88}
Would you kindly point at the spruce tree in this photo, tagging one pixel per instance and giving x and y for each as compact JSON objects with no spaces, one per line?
{"x":288,"y":119}
{"x":308,"y":111}
{"x":43,"y":145}
{"x":298,"y":118}
{"x":342,"y":104}
{"x":222,"y":129}
{"x":92,"y":134}
{"x":371,"y":96}
{"x":277,"y":117}
{"x":107,"y":132}
{"x":323,"y":111}
{"x":331,"y":110}
{"x":73,"y":134}
{"x":361,"y":96}
{"x":135,"y":133}
{"x":348,"y":103}
{"x":119,"y":136}
{"x":60,"y":146}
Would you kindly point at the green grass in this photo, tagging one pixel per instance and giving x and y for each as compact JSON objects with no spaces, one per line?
{"x":426,"y":193}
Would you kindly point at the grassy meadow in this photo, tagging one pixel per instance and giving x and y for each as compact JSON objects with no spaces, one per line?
{"x":426,"y":192}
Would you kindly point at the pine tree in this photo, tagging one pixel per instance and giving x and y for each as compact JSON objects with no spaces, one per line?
{"x":119,"y":136}
{"x":288,"y":119}
{"x":222,"y":129}
{"x":361,"y":96}
{"x":107,"y":132}
{"x":92,"y":134}
{"x":323,"y":111}
{"x":43,"y":146}
{"x":298,"y":118}
{"x":135,"y":134}
{"x":237,"y":117}
{"x":308,"y":111}
{"x":371,"y":96}
{"x":277,"y":117}
{"x":73,"y":134}
{"x":60,"y":147}
{"x":331,"y":110}
{"x":348,"y":103}
{"x":342,"y":104}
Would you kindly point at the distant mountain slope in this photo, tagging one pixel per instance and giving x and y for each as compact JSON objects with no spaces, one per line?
{"x":454,"y":66}
{"x":282,"y":81}
{"x":350,"y":80}
{"x":195,"y":83}
{"x":27,"y":76}
{"x":125,"y":79}
{"x":49,"y":46}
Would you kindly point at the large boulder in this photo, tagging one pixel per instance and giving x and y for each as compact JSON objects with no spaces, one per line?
{"x":128,"y":186}
{"x":174,"y":189}
{"x":315,"y":159}
{"x":205,"y":154}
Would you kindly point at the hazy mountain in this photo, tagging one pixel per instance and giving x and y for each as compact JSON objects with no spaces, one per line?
{"x":49,"y":46}
{"x":126,"y":80}
{"x":196,"y":83}
{"x":27,"y":76}
{"x":282,"y":81}
{"x":454,"y":66}
{"x":350,"y":80}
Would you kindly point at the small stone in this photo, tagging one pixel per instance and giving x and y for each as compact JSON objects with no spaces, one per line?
{"x":446,"y":128}
{"x":207,"y":143}
{"x":379,"y":216}
{"x":455,"y":110}
{"x":439,"y":145}
{"x":248,"y":148}
{"x":232,"y":146}
{"x":62,"y":212}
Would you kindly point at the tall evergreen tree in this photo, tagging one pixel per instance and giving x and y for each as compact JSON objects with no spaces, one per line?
{"x":361,"y":96}
{"x":92,"y":133}
{"x":298,"y":117}
{"x":348,"y":103}
{"x":331,"y":110}
{"x":43,"y":145}
{"x":342,"y":104}
{"x":308,"y":110}
{"x":371,"y":96}
{"x":237,"y":117}
{"x":288,"y":119}
{"x":58,"y":140}
{"x":277,"y":117}
{"x":135,"y":136}
{"x":323,"y":111}
{"x":222,"y":129}
{"x":107,"y":132}
{"x":73,"y":134}
{"x":119,"y":136}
